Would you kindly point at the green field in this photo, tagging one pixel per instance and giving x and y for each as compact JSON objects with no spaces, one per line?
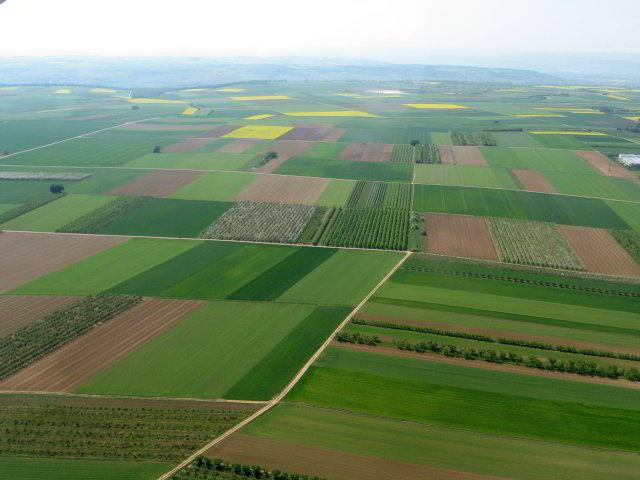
{"x":594,"y":186}
{"x":106,"y":269}
{"x":195,"y":161}
{"x":336,"y":194}
{"x":465,"y":176}
{"x":20,"y":191}
{"x":629,"y":212}
{"x":58,"y":213}
{"x":206,"y":354}
{"x":218,"y":186}
{"x":327,"y":168}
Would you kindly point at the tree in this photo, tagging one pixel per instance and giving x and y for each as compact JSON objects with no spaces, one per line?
{"x":157,"y":149}
{"x":56,"y":188}
{"x":5,"y":152}
{"x":414,"y":143}
{"x":271,"y":156}
{"x":135,"y":107}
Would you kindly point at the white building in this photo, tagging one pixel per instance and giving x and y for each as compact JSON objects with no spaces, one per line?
{"x":629,"y":160}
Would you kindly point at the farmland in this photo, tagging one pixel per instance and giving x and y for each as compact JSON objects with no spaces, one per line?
{"x":408,"y":280}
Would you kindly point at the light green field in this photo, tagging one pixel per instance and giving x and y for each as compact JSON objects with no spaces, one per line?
{"x":106,"y":269}
{"x":468,"y":176}
{"x":54,"y":215}
{"x":343,"y":279}
{"x":196,"y":161}
{"x":453,"y":449}
{"x":336,"y":194}
{"x":104,"y":180}
{"x":325,"y":150}
{"x":630,"y":212}
{"x":441,"y":138}
{"x":24,"y":468}
{"x":218,"y":186}
{"x":204,"y":355}
{"x":592,"y":186}
{"x":5,"y":207}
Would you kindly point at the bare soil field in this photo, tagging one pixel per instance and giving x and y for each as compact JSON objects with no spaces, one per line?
{"x":285,"y":150}
{"x":306,"y":133}
{"x":238,"y":145}
{"x":599,"y":251}
{"x":101,"y":347}
{"x":468,"y":156}
{"x":459,"y":236}
{"x":502,"y":367}
{"x":325,"y":462}
{"x":27,"y":256}
{"x":219,"y":131}
{"x":283,"y":189}
{"x":367,"y":152}
{"x":164,"y":127}
{"x":415,"y":322}
{"x":188,"y":145}
{"x":19,"y":310}
{"x":156,"y":184}
{"x":604,"y":165}
{"x":334,"y":135}
{"x":446,"y":157}
{"x":533,"y":181}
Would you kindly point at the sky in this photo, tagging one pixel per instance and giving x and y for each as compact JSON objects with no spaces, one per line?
{"x":399,"y":30}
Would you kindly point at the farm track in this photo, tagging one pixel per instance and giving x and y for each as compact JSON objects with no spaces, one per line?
{"x":293,"y":382}
{"x":20,"y":310}
{"x":29,"y":255}
{"x":101,"y":347}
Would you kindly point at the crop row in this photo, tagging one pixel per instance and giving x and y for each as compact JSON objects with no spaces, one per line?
{"x":402,"y":154}
{"x":473,"y":139}
{"x":261,"y":222}
{"x":629,"y":240}
{"x":427,"y":154}
{"x":368,"y":228}
{"x":205,"y":468}
{"x":43,"y":176}
{"x":379,"y":195}
{"x":533,"y":243}
{"x":109,"y":432}
{"x":29,"y":343}
{"x":105,"y":215}
{"x":496,"y":356}
{"x":28,"y":206}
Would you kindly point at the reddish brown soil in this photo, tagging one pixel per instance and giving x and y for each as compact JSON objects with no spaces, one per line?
{"x":367,"y":152}
{"x":157,"y":184}
{"x":533,"y":181}
{"x":164,"y":127}
{"x":434,"y":357}
{"x":27,"y":256}
{"x":19,"y":310}
{"x":334,"y":135}
{"x":325,"y":462}
{"x":238,"y":146}
{"x":285,"y":150}
{"x":604,"y":165}
{"x":459,"y":236}
{"x":446,"y":157}
{"x":498,"y":333}
{"x":283,"y":189}
{"x":86,"y":356}
{"x":123,"y":402}
{"x":599,"y":251}
{"x":188,"y":145}
{"x":469,"y":156}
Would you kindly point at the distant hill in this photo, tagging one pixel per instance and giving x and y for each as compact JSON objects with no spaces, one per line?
{"x":178,"y":72}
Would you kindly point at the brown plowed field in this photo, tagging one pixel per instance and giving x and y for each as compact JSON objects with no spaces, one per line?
{"x":160,"y":127}
{"x":334,"y":135}
{"x":238,"y":146}
{"x":27,"y":256}
{"x":502,"y":367}
{"x":315,"y":134}
{"x":283,"y":189}
{"x":604,"y":165}
{"x":367,"y":152}
{"x":533,"y":181}
{"x":325,"y":462}
{"x":599,"y":251}
{"x":446,"y":157}
{"x":469,"y":156}
{"x":285,"y":150}
{"x":19,"y":310}
{"x":86,"y":356}
{"x":459,"y":236}
{"x":188,"y":145}
{"x":496,"y":333}
{"x":219,"y":131}
{"x":157,"y":184}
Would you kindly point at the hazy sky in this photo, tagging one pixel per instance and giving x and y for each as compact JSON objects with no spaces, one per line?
{"x":387,"y":30}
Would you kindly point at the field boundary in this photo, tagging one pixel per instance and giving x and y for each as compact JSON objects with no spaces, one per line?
{"x":129,"y":397}
{"x":293,"y":382}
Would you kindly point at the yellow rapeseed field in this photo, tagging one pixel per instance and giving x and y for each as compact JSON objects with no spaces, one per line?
{"x":153,"y":100}
{"x":190,"y":111}
{"x":536,"y":115}
{"x":337,"y":113}
{"x":102,"y":90}
{"x":591,"y":134}
{"x":62,"y":91}
{"x":231,"y":90}
{"x":264,"y":132}
{"x":260,"y":117}
{"x":346,"y":94}
{"x":434,"y":106}
{"x":634,"y":119}
{"x":261,"y":97}
{"x":195,"y":90}
{"x":617,"y":97}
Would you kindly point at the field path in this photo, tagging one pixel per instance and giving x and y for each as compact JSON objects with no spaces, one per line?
{"x":293,"y":382}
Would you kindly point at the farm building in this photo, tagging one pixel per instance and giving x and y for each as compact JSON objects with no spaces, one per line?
{"x":632,"y":161}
